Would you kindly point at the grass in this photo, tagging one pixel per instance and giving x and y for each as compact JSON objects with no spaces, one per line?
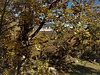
{"x":85,"y":68}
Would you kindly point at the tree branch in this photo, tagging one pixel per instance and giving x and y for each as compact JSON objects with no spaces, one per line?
{"x":42,"y":23}
{"x":19,"y":66}
{"x":2,"y":16}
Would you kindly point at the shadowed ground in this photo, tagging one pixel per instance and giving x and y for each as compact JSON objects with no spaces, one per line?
{"x":85,"y":68}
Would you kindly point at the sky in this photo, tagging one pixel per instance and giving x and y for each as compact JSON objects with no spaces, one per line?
{"x":97,"y":2}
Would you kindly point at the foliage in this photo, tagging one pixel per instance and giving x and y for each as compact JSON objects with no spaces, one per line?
{"x":76,"y":34}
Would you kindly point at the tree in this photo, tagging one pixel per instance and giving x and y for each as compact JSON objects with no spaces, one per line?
{"x":27,"y":25}
{"x":23,"y":49}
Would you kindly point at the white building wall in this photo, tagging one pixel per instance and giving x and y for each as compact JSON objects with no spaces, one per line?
{"x":46,"y":29}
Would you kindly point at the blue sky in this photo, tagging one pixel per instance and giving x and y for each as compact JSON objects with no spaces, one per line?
{"x":97,"y":2}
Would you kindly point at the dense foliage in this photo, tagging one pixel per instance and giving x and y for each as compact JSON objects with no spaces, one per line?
{"x":26,"y":51}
